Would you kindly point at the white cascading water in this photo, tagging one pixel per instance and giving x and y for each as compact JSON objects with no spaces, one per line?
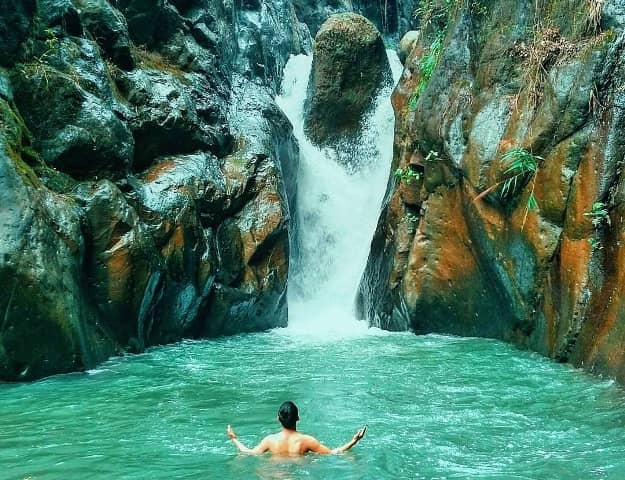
{"x":337,"y":212}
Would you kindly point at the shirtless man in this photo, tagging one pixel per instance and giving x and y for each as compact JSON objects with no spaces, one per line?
{"x":289,"y":441}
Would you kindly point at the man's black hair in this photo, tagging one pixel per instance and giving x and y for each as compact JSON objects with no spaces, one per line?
{"x":288,"y":415}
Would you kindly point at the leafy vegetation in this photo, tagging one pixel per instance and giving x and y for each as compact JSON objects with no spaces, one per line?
{"x":427,"y":65}
{"x":522,"y":164}
{"x":411,"y":220}
{"x":598,"y":214}
{"x":595,"y":243}
{"x":522,"y":168}
{"x":39,"y":66}
{"x":407,"y":175}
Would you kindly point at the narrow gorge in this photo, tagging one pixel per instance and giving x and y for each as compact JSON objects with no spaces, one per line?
{"x":149,"y":178}
{"x":405,"y":214}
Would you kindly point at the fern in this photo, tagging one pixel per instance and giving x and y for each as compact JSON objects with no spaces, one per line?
{"x":522,"y":163}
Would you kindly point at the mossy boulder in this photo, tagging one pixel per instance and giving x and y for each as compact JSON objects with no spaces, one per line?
{"x":71,"y":112}
{"x":350,"y":66}
{"x":48,"y":326}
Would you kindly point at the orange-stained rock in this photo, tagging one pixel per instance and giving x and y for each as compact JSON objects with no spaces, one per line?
{"x":476,"y":261}
{"x":601,"y":343}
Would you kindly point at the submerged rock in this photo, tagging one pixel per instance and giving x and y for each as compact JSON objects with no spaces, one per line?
{"x":349,"y":68}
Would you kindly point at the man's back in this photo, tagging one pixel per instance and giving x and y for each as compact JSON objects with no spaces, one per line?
{"x":290,"y":442}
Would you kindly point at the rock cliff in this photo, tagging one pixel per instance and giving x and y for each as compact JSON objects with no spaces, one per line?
{"x":504,"y":210}
{"x":145,"y":175}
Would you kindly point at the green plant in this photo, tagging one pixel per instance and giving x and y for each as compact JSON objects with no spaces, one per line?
{"x":407,"y":175}
{"x":411,"y":218}
{"x":595,"y":243}
{"x":52,"y":40}
{"x":522,"y":167}
{"x":522,"y":163}
{"x":427,"y":65}
{"x":598,"y":214}
{"x":39,"y":66}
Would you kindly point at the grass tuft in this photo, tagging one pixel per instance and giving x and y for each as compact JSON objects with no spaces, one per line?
{"x":595,"y":13}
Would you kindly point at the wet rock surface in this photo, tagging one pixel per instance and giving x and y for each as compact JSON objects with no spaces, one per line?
{"x":147,"y":176}
{"x":392,"y":17}
{"x":477,"y":245}
{"x":349,"y":67}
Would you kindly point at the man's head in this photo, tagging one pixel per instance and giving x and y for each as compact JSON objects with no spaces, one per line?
{"x":288,"y":415}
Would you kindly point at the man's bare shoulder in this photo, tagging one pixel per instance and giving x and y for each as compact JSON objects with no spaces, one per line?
{"x":272,"y":437}
{"x":308,"y":439}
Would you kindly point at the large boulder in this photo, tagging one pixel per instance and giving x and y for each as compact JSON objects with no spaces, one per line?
{"x":254,"y":243}
{"x":67,"y":102}
{"x":389,"y":16}
{"x":349,"y":67}
{"x":108,"y":27}
{"x":48,"y":324}
{"x":174,"y":112}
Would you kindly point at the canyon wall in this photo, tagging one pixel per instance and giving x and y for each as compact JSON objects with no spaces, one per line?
{"x":503,"y":215}
{"x":146,"y":175}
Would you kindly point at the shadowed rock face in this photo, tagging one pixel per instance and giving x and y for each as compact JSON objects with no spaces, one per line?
{"x":459,"y":252}
{"x":389,"y":16}
{"x":146,"y":176}
{"x":349,"y":68}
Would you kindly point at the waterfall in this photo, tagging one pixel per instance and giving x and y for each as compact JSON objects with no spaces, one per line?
{"x":337,"y":212}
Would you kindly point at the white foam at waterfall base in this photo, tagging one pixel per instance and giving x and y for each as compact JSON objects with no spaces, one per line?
{"x":337,"y":214}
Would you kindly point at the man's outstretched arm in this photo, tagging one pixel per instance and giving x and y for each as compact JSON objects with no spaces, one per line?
{"x":355,"y":439}
{"x":315,"y":446}
{"x":257,"y":450}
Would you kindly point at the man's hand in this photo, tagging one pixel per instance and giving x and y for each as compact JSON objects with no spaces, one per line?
{"x":359,"y":434}
{"x":355,"y":439}
{"x":231,"y":433}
